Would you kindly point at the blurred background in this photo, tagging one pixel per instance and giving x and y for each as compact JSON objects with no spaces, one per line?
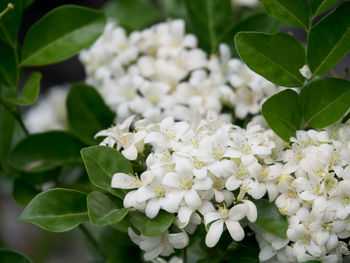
{"x":42,"y":246}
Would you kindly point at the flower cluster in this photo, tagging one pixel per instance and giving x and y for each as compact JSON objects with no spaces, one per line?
{"x":194,"y":171}
{"x":160,"y":72}
{"x":314,"y":193}
{"x":210,"y":170}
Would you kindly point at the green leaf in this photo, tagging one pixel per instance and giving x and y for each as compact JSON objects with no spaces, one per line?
{"x":30,"y":91}
{"x":210,"y":28}
{"x":60,"y":34}
{"x":11,"y":21}
{"x":276,"y":57}
{"x":329,"y":40}
{"x":9,"y":256}
{"x":269,"y":219}
{"x":117,"y":246}
{"x":7,"y":125}
{"x":282,"y":113}
{"x":45,"y":151}
{"x":294,"y":12}
{"x":103,"y":211}
{"x":23,"y":192}
{"x":132,"y":14}
{"x":324,"y":101}
{"x":40,"y":178}
{"x":312,"y":261}
{"x":151,"y":227}
{"x":259,"y":23}
{"x":319,"y":6}
{"x":8,"y":66}
{"x":174,"y":8}
{"x":102,"y":163}
{"x":87,"y":112}
{"x":57,"y":210}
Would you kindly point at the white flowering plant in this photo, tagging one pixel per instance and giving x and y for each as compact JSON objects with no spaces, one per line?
{"x":194,"y":138}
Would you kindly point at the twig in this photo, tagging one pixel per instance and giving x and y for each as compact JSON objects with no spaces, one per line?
{"x":16,"y":115}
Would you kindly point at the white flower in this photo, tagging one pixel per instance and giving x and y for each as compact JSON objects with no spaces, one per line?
{"x":230,"y":218}
{"x":162,"y":245}
{"x":185,"y":185}
{"x":49,"y":112}
{"x":306,"y":72}
{"x":169,"y":133}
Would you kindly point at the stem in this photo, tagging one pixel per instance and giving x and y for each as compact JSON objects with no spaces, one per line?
{"x":92,"y":241}
{"x":8,"y":8}
{"x":184,"y":255}
{"x":16,"y":115}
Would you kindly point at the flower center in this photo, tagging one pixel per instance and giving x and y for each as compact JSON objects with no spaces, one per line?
{"x":224,"y":213}
{"x":187,"y":183}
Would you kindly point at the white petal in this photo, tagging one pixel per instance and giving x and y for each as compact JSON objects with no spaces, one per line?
{"x":185,"y":214}
{"x":172,"y":200}
{"x":252,"y":211}
{"x":130,"y":153}
{"x":238,"y":212}
{"x":219,"y":196}
{"x":203,"y":184}
{"x":144,"y":193}
{"x":152,"y":254}
{"x":152,"y":208}
{"x":134,"y":238}
{"x":235,"y":229}
{"x":214,"y":233}
{"x":130,"y":199}
{"x":149,"y":243}
{"x":172,"y":179}
{"x":200,"y":173}
{"x":266,"y":253}
{"x":124,"y":181}
{"x":178,"y":240}
{"x":232,"y":183}
{"x":211,"y":216}
{"x":192,"y":199}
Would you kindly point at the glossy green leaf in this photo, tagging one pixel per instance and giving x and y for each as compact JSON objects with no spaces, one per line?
{"x":276,"y":57}
{"x":8,"y":65}
{"x":329,"y":40}
{"x":30,"y":91}
{"x":324,"y":101}
{"x":132,"y":14}
{"x":319,"y":6}
{"x":151,"y":227}
{"x":101,"y":163}
{"x":210,"y":28}
{"x":269,"y":219}
{"x":60,"y":34}
{"x":259,"y":23}
{"x":23,"y":192}
{"x":45,"y":151}
{"x":282,"y":113}
{"x":57,"y":210}
{"x":87,"y":113}
{"x":9,"y":256}
{"x":312,"y":261}
{"x":11,"y":21}
{"x":294,"y":12}
{"x":103,"y":211}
